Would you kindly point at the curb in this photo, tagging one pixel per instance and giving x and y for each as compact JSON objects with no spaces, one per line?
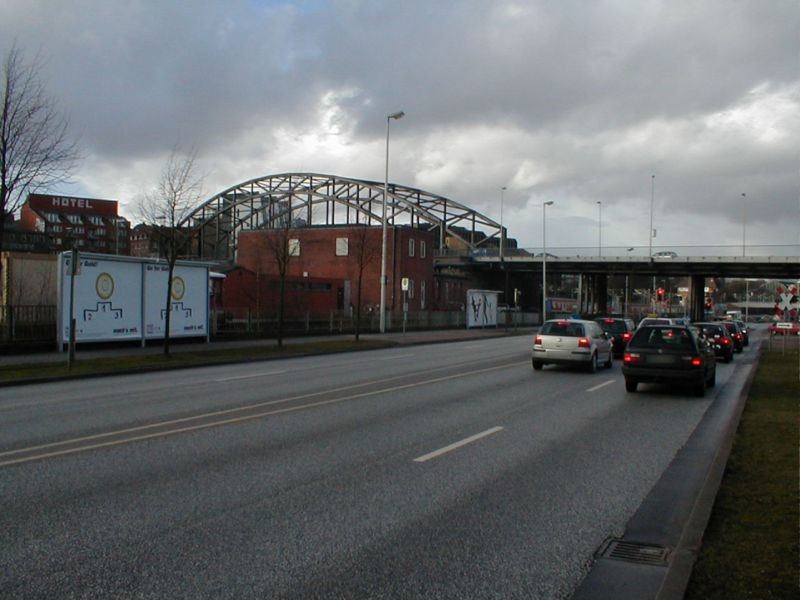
{"x":673,"y":516}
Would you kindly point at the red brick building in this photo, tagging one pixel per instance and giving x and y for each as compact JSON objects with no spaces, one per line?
{"x":334,"y":253}
{"x":94,"y":225}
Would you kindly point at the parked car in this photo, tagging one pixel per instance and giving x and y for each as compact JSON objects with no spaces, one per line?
{"x":572,"y":342}
{"x":665,"y":254}
{"x":669,"y":354}
{"x":735,"y":333}
{"x":745,"y":331}
{"x":621,"y":331}
{"x":719,"y":338}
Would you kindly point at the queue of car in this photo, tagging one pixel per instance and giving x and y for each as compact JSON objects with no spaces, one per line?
{"x":664,"y":350}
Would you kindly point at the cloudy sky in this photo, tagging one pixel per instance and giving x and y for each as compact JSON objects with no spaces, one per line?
{"x":564,"y":100}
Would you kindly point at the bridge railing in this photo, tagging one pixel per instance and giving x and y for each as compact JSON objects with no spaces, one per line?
{"x":631,"y":252}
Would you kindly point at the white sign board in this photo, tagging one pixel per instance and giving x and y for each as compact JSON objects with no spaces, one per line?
{"x":107,"y":300}
{"x":482,"y":308}
{"x":124,"y":298}
{"x":188,"y":301}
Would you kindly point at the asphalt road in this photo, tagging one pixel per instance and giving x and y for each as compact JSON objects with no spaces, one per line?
{"x":440,"y":471}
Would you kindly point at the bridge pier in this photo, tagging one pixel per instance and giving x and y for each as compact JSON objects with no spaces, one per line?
{"x":697,"y":297}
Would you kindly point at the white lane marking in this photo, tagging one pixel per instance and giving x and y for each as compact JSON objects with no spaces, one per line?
{"x":393,"y":356}
{"x":227,"y":421}
{"x":458,"y":444}
{"x":268,"y":373}
{"x":601,"y":385}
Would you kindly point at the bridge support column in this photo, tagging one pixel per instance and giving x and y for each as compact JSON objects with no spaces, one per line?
{"x":697,"y":298}
{"x":601,"y":293}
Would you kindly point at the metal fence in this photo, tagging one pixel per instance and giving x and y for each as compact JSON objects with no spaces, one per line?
{"x":27,"y":323}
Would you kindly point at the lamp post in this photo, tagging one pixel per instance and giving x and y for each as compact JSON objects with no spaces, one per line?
{"x":397,"y":115}
{"x":544,"y":259}
{"x":652,"y":198}
{"x":502,"y":230}
{"x":744,"y":253}
{"x":599,"y":228}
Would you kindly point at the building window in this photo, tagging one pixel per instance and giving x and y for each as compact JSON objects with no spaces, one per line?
{"x":422,"y":292}
{"x":410,"y":288}
{"x":342,"y":248}
{"x":423,"y":249}
{"x":74,"y":219}
{"x":411,"y":247}
{"x":294,"y":247}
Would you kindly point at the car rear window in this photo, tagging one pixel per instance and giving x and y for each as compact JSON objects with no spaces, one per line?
{"x":712,"y":330}
{"x":564,"y":328}
{"x":612,"y":325}
{"x":663,"y":337}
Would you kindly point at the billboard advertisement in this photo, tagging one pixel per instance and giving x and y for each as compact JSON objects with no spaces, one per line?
{"x":124,"y":298}
{"x":188,"y":301}
{"x":482,"y":308}
{"x":107,"y":299}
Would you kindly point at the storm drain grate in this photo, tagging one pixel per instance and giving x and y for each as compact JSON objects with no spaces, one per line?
{"x":645,"y":554}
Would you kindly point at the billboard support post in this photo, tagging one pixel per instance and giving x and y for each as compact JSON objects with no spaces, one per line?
{"x":73,"y":269}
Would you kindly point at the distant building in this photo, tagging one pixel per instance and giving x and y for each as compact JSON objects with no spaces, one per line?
{"x":90,"y":224}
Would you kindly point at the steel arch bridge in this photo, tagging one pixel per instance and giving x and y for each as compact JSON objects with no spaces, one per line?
{"x":313,"y":199}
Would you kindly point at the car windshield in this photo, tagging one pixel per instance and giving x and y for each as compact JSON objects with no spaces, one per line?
{"x":663,"y":337}
{"x":563,"y":328}
{"x":649,"y":321}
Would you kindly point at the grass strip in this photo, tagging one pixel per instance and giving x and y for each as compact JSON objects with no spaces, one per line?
{"x":183,"y":359}
{"x":751,"y":546}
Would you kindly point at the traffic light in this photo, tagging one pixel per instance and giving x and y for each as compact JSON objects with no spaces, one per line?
{"x":660,"y":294}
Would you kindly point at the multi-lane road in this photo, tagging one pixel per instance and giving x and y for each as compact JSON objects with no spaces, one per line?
{"x":440,"y":471}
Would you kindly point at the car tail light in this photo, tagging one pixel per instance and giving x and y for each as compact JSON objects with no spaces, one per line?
{"x":609,"y":321}
{"x":584,"y":343}
{"x":538,"y":340}
{"x":697,"y":361}
{"x":738,"y":336}
{"x":631,"y":357}
{"x":626,"y":337}
{"x":725,"y":341}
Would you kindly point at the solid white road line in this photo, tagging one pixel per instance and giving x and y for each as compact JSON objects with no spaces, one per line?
{"x":602,"y":385}
{"x":456,"y":445}
{"x":249,"y":376}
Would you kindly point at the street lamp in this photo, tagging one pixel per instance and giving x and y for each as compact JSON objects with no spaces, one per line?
{"x":652,"y":198}
{"x":599,"y":228}
{"x":544,"y":259}
{"x":397,"y":115}
{"x":502,"y":231}
{"x":744,"y":222}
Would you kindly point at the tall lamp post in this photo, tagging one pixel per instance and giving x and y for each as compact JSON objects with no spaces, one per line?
{"x":502,"y":230}
{"x":599,"y":228}
{"x":544,"y":259}
{"x":652,"y":198}
{"x":397,"y":115}
{"x":744,"y":253}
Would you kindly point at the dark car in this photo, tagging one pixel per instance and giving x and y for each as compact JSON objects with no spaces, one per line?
{"x":719,"y":338}
{"x":745,"y":331}
{"x":621,"y":331}
{"x":735,"y":333}
{"x":669,"y":354}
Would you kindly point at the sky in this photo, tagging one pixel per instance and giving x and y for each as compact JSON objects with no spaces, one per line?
{"x":685,"y":105}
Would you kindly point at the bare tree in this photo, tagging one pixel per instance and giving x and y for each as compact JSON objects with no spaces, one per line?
{"x":281,"y":245}
{"x":366,"y":249}
{"x":35,"y":150}
{"x":165,"y":209}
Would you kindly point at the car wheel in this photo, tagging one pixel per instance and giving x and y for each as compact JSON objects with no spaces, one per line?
{"x":610,"y":360}
{"x":729,"y":357}
{"x":537,"y":366}
{"x":713,"y":381}
{"x":592,"y":368}
{"x":630,"y":385}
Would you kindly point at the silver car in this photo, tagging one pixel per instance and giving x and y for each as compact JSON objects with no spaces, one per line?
{"x":572,"y":342}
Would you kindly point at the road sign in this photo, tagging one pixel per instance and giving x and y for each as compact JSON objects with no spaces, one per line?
{"x":404,"y":284}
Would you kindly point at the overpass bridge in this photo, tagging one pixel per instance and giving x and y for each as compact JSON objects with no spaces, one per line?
{"x":524,"y":267}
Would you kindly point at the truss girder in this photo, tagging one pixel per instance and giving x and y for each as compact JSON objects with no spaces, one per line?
{"x":318,"y":199}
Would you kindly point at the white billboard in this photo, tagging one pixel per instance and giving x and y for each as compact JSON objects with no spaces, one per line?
{"x":124,"y":298}
{"x":188,"y":301}
{"x":107,"y":299}
{"x":482,"y":308}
